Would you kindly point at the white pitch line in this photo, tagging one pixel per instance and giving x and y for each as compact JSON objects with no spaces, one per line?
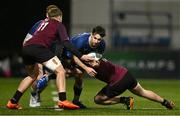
{"x":55,"y":99}
{"x":152,"y":108}
{"x":54,"y":93}
{"x":57,"y":108}
{"x":52,"y":84}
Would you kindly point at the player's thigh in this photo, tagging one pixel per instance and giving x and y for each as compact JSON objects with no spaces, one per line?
{"x":41,"y":72}
{"x":101,"y":95}
{"x":54,"y":64}
{"x":138,"y":90}
{"x":32,"y":70}
{"x":33,"y":54}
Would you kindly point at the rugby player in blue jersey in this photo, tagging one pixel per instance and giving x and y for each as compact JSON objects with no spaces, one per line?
{"x":85,"y":43}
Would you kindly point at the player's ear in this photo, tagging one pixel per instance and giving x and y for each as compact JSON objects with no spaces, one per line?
{"x":47,"y":15}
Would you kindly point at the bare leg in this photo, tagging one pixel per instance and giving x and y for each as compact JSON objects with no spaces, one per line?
{"x":33,"y":71}
{"x":60,"y":79}
{"x":25,"y":83}
{"x":140,"y":91}
{"x":55,"y":65}
{"x":104,"y":100}
{"x":34,"y":85}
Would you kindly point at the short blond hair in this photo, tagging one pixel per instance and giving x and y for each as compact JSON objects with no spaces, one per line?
{"x":53,"y":11}
{"x":50,"y":7}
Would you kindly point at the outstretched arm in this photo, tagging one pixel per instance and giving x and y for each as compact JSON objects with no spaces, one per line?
{"x":89,"y":70}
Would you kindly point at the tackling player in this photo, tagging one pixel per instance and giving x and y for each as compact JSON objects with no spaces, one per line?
{"x":118,"y":80}
{"x":37,"y":50}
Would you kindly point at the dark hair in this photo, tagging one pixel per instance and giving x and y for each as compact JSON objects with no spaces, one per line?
{"x":99,"y":30}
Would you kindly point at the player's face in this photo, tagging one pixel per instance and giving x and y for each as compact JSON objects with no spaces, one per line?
{"x":58,"y":18}
{"x":95,"y":40}
{"x":94,"y":63}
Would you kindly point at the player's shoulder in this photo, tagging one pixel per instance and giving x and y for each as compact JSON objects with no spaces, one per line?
{"x":103,"y":42}
{"x":54,"y":22}
{"x":38,"y":22}
{"x":41,"y":21}
{"x":102,"y":46}
{"x":84,"y":34}
{"x":82,"y":37}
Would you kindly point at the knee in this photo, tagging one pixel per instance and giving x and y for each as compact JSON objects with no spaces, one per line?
{"x":78,"y":80}
{"x":60,"y":71}
{"x":98,"y":99}
{"x":79,"y":72}
{"x":34,"y":75}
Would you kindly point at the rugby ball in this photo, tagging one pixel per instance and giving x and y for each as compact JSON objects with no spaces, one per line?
{"x":94,"y":55}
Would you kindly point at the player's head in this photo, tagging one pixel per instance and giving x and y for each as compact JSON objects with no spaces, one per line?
{"x":97,"y":35}
{"x":50,"y":7}
{"x":52,"y":11}
{"x":97,"y":58}
{"x":93,"y":63}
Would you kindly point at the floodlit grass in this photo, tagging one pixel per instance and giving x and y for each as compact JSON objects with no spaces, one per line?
{"x":170,"y":89}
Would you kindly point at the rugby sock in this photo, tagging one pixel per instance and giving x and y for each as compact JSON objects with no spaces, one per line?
{"x":164,"y":103}
{"x":122,"y":99}
{"x":77,"y":93}
{"x":33,"y":91}
{"x":62,"y":96}
{"x":16,"y":97}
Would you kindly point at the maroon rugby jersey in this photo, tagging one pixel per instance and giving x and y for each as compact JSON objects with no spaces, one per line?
{"x":110,"y":73}
{"x":48,"y":31}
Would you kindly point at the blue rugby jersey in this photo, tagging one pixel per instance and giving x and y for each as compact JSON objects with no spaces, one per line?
{"x":81,"y":42}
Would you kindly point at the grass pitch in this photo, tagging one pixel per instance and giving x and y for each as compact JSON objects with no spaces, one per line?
{"x":170,"y":89}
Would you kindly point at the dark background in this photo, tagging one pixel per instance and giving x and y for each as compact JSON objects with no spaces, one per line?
{"x":17,"y":17}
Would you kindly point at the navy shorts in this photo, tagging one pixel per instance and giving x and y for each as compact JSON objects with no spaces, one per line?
{"x":36,"y":54}
{"x":128,"y":82}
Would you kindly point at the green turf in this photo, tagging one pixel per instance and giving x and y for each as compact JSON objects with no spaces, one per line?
{"x":169,"y":89}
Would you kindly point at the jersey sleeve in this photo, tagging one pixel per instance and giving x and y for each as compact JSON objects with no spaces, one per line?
{"x":62,"y":33}
{"x":78,"y":42}
{"x":34,"y":27}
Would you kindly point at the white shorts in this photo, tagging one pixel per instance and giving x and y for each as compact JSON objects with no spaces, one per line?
{"x":53,"y":63}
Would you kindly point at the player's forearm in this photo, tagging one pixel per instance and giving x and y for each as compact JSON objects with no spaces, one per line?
{"x":79,"y":63}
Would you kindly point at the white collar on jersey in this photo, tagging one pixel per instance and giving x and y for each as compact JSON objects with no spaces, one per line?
{"x":89,"y":39}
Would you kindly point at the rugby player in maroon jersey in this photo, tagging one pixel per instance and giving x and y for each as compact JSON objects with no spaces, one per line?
{"x":118,"y":80}
{"x":36,"y":50}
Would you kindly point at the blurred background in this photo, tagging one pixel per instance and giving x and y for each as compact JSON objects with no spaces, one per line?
{"x":142,"y":35}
